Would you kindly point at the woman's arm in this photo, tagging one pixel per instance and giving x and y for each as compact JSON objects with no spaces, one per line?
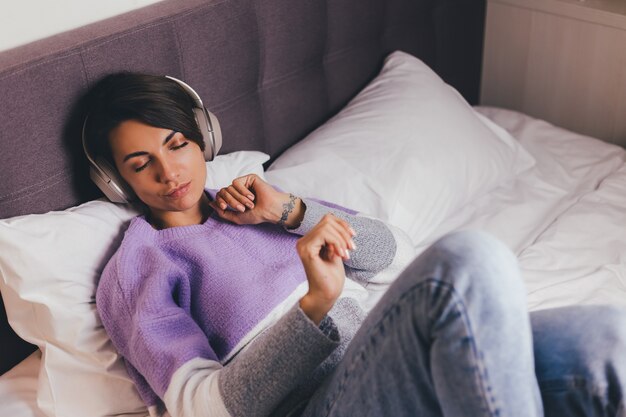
{"x":173,"y":355}
{"x":288,"y":354}
{"x":382,"y":250}
{"x":375,"y":244}
{"x":379,"y":247}
{"x":257,"y":379}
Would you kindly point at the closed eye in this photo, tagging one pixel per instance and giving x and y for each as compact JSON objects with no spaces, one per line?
{"x":180,"y":146}
{"x":174,"y":148}
{"x":141,"y":168}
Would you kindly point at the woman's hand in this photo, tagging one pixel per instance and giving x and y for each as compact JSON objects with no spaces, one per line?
{"x":322,"y":251}
{"x":254,"y":201}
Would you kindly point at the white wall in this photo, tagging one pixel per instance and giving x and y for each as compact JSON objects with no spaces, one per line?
{"x":23,"y":21}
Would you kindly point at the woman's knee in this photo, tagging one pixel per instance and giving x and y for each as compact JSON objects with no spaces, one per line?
{"x":475,"y":247}
{"x":478,"y":259}
{"x":475,"y":266}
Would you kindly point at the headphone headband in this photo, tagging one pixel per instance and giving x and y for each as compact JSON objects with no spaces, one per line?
{"x":111,"y":183}
{"x":192,"y":93}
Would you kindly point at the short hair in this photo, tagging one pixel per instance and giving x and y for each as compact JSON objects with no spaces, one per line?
{"x":154,"y":100}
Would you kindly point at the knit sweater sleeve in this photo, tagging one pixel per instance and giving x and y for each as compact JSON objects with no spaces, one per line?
{"x":382,"y":250}
{"x":171,"y":354}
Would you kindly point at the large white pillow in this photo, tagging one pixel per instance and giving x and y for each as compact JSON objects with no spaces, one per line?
{"x":49,"y":268}
{"x":222,"y":170}
{"x":408,"y":149}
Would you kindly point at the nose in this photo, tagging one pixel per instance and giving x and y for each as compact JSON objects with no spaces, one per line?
{"x":166,"y":171}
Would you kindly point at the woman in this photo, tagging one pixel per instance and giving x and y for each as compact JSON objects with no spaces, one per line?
{"x":248,"y":301}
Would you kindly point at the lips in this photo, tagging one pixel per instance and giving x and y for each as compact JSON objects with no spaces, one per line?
{"x":179,"y":191}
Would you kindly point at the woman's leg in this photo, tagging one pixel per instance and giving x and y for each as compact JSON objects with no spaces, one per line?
{"x":451,"y":337}
{"x":580,"y":360}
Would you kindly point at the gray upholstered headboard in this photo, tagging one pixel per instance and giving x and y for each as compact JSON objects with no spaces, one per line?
{"x":271,"y":70}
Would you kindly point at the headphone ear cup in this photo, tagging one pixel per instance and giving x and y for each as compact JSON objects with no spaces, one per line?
{"x":217,"y":132}
{"x":203,"y":124}
{"x":207,"y":122}
{"x":211,"y":132}
{"x":109,"y":181}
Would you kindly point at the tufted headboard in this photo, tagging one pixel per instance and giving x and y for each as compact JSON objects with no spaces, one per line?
{"x":271,"y":70}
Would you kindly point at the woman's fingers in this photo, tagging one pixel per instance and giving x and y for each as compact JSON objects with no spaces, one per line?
{"x":335,"y":237}
{"x":232,"y":197}
{"x":240,"y":185}
{"x":332,"y":251}
{"x":343,"y":233}
{"x":344,"y":229}
{"x":241,"y":194}
{"x":326,"y":253}
{"x":346,"y":226}
{"x":223,"y":213}
{"x":225,"y":199}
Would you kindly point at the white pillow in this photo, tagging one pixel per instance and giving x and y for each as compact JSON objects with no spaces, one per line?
{"x":49,"y":268}
{"x":407,"y":149}
{"x":223,"y":169}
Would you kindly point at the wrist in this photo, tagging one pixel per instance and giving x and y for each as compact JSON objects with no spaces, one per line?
{"x":291,"y":211}
{"x":313,"y":309}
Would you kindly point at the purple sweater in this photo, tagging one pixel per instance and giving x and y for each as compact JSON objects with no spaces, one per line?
{"x":212,"y":309}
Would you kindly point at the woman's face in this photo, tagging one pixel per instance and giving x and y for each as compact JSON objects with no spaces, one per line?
{"x":165,"y":170}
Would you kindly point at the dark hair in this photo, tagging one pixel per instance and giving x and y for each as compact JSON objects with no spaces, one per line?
{"x":154,"y":100}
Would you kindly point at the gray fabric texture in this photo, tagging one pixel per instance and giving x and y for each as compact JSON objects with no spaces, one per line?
{"x":253,"y":387}
{"x":347,"y":315}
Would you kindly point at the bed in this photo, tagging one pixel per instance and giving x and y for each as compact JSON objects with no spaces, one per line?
{"x":309,"y":96}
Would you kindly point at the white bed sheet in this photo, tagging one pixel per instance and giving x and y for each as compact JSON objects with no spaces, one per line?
{"x":565,"y":219}
{"x":581,"y":257}
{"x":18,"y":389}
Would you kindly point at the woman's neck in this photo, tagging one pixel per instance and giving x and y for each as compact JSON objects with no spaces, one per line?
{"x":195,"y":215}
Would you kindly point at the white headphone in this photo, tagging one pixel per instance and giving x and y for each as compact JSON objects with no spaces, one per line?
{"x":109,"y":180}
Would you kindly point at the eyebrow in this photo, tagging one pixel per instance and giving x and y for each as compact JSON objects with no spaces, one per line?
{"x":140,"y":153}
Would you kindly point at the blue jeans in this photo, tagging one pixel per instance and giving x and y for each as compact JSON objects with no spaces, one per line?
{"x":452,"y":337}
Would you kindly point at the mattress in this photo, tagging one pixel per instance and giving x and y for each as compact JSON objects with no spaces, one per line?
{"x":565,"y":219}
